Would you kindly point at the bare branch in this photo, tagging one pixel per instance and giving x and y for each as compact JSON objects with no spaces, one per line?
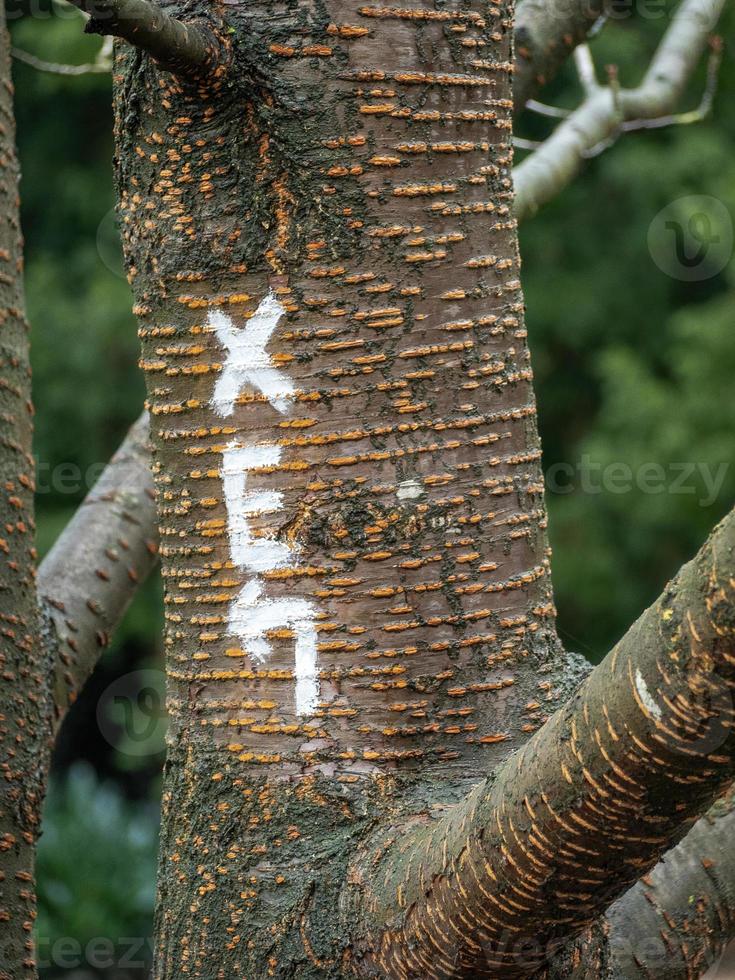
{"x":583,"y":810}
{"x":694,"y":115}
{"x":607,"y":110}
{"x":183,"y":48}
{"x":89,"y":577}
{"x":586,"y":69}
{"x":545,"y":34}
{"x":523,"y":144}
{"x":102,"y":65}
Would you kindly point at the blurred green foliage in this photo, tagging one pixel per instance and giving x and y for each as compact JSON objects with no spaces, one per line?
{"x":632,"y":367}
{"x":87,"y":386}
{"x":88,"y":389}
{"x":96,"y":871}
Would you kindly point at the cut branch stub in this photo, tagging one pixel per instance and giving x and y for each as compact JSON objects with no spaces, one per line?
{"x":545,"y":34}
{"x":187,"y":48}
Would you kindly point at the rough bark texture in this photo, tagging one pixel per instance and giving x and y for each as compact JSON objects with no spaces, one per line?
{"x":354,"y":168}
{"x":23,"y":672}
{"x":575,"y":817}
{"x":674,"y":923}
{"x":359,"y":615}
{"x":88,"y":579}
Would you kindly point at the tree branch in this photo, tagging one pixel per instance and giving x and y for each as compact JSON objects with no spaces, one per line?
{"x":545,"y":34}
{"x":606,"y":110}
{"x":91,"y":574}
{"x":582,"y":811}
{"x":183,"y":48}
{"x":102,"y":65}
{"x":672,"y":925}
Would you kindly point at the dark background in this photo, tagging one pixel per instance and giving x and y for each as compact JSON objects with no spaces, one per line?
{"x":633,"y":367}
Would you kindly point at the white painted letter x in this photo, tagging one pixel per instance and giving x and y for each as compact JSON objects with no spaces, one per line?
{"x":247,"y":361}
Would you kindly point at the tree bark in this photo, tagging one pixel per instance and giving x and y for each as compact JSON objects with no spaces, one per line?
{"x":24,"y":667}
{"x":88,"y":579}
{"x":326,"y":276}
{"x":359,"y":615}
{"x":672,"y":925}
{"x":546,"y":34}
{"x":359,"y":621}
{"x":187,"y":46}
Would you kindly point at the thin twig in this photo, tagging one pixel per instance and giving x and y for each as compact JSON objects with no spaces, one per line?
{"x":102,"y":65}
{"x":586,"y":68}
{"x":523,"y":144}
{"x":694,"y":115}
{"x":547,"y":110}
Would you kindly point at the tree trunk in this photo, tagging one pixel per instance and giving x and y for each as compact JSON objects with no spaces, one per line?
{"x":24,"y":666}
{"x":359,"y":615}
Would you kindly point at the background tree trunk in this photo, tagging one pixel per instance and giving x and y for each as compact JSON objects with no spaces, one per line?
{"x":326,"y":274}
{"x":24,"y":666}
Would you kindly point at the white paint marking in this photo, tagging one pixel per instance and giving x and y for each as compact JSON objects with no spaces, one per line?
{"x":645,"y":696}
{"x":247,"y":359}
{"x":252,"y":615}
{"x":409,"y":490}
{"x":255,"y":554}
